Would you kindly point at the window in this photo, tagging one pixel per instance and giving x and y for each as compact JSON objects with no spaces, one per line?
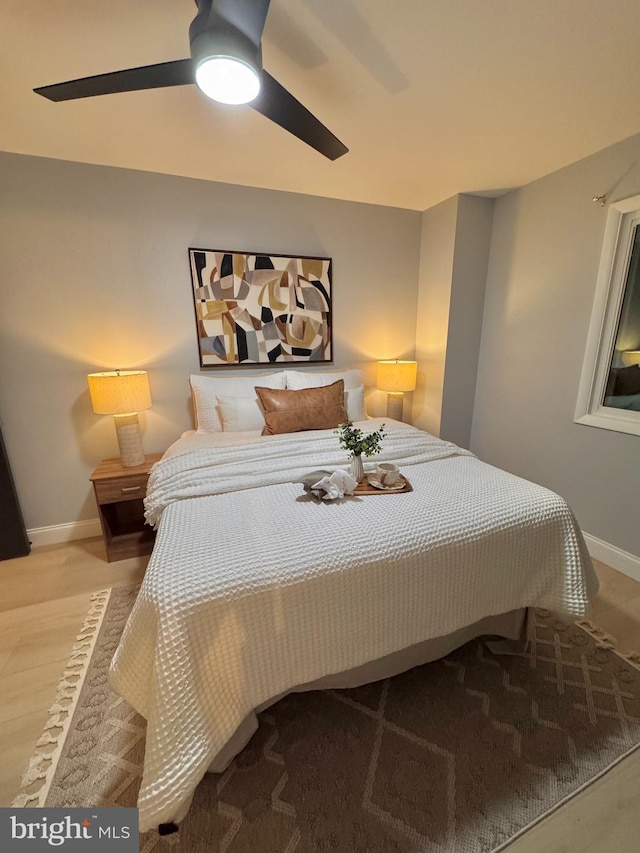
{"x":609,"y":395}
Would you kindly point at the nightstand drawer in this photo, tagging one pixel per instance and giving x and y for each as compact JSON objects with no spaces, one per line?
{"x":127,"y":489}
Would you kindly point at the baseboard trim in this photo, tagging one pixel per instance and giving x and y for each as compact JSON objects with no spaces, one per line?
{"x":57,"y":533}
{"x":615,"y":557}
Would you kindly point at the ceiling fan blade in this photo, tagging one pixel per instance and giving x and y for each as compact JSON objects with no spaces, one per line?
{"x":276,"y":103}
{"x":176,"y":73}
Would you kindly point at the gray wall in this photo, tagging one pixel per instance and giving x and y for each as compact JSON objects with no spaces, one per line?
{"x":468,"y":282}
{"x":542,"y":273}
{"x":454,"y":252}
{"x":95,"y":275}
{"x":437,"y":244}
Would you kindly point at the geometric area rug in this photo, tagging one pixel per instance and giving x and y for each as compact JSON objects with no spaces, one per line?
{"x":461,"y":755}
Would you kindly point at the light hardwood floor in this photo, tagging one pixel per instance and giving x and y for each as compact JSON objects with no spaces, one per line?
{"x":43,"y":601}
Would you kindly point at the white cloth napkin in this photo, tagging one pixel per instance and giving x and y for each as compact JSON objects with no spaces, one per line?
{"x":334,"y":486}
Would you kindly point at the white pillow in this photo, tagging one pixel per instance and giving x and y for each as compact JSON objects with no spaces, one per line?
{"x":353,"y":388}
{"x":205,"y":391}
{"x":238,"y":414}
{"x":354,"y":404}
{"x":297,"y":380}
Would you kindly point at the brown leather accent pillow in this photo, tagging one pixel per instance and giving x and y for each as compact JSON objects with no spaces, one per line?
{"x":310,"y":408}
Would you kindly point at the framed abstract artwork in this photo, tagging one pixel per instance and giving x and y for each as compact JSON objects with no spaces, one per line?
{"x":255,"y":309}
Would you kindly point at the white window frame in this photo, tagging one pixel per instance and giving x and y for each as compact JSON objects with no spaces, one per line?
{"x":622,"y":218}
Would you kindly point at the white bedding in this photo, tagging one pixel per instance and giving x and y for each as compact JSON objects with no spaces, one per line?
{"x":254,"y":588}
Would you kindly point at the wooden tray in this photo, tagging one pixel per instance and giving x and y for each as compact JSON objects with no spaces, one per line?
{"x":366,"y":488}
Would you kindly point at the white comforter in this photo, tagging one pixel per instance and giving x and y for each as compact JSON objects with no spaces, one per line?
{"x":254,"y":588}
{"x":215,"y":467}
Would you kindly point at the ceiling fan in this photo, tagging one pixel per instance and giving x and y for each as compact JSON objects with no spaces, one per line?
{"x":226,"y":64}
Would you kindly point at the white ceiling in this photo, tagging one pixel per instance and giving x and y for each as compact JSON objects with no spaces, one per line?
{"x":433,"y":97}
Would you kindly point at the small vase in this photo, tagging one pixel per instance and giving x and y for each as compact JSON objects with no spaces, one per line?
{"x":357,"y":468}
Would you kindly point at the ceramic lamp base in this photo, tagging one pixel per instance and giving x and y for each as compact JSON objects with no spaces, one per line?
{"x":129,"y":440}
{"x":395,"y":404}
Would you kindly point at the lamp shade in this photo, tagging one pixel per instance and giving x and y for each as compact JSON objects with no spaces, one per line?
{"x":119,"y":392}
{"x":630,"y":357}
{"x":395,"y":377}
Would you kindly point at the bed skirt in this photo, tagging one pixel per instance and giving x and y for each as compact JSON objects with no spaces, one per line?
{"x":509,"y":626}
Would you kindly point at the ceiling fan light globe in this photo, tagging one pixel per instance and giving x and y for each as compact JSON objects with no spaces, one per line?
{"x":227,"y":80}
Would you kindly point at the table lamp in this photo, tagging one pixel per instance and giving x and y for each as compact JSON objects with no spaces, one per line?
{"x":396,"y":377}
{"x":630,"y":357}
{"x":122,"y":393}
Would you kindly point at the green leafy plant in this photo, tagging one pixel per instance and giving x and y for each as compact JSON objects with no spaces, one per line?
{"x":356,"y":442}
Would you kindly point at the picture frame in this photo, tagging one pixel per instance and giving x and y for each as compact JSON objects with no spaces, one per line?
{"x":254,"y":309}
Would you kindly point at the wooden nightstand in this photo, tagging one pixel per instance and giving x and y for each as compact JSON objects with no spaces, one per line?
{"x":119,"y":494}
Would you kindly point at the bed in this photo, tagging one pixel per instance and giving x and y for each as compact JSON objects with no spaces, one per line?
{"x":255,"y":589}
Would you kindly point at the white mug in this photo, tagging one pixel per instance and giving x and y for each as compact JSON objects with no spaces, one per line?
{"x":387,"y":473}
